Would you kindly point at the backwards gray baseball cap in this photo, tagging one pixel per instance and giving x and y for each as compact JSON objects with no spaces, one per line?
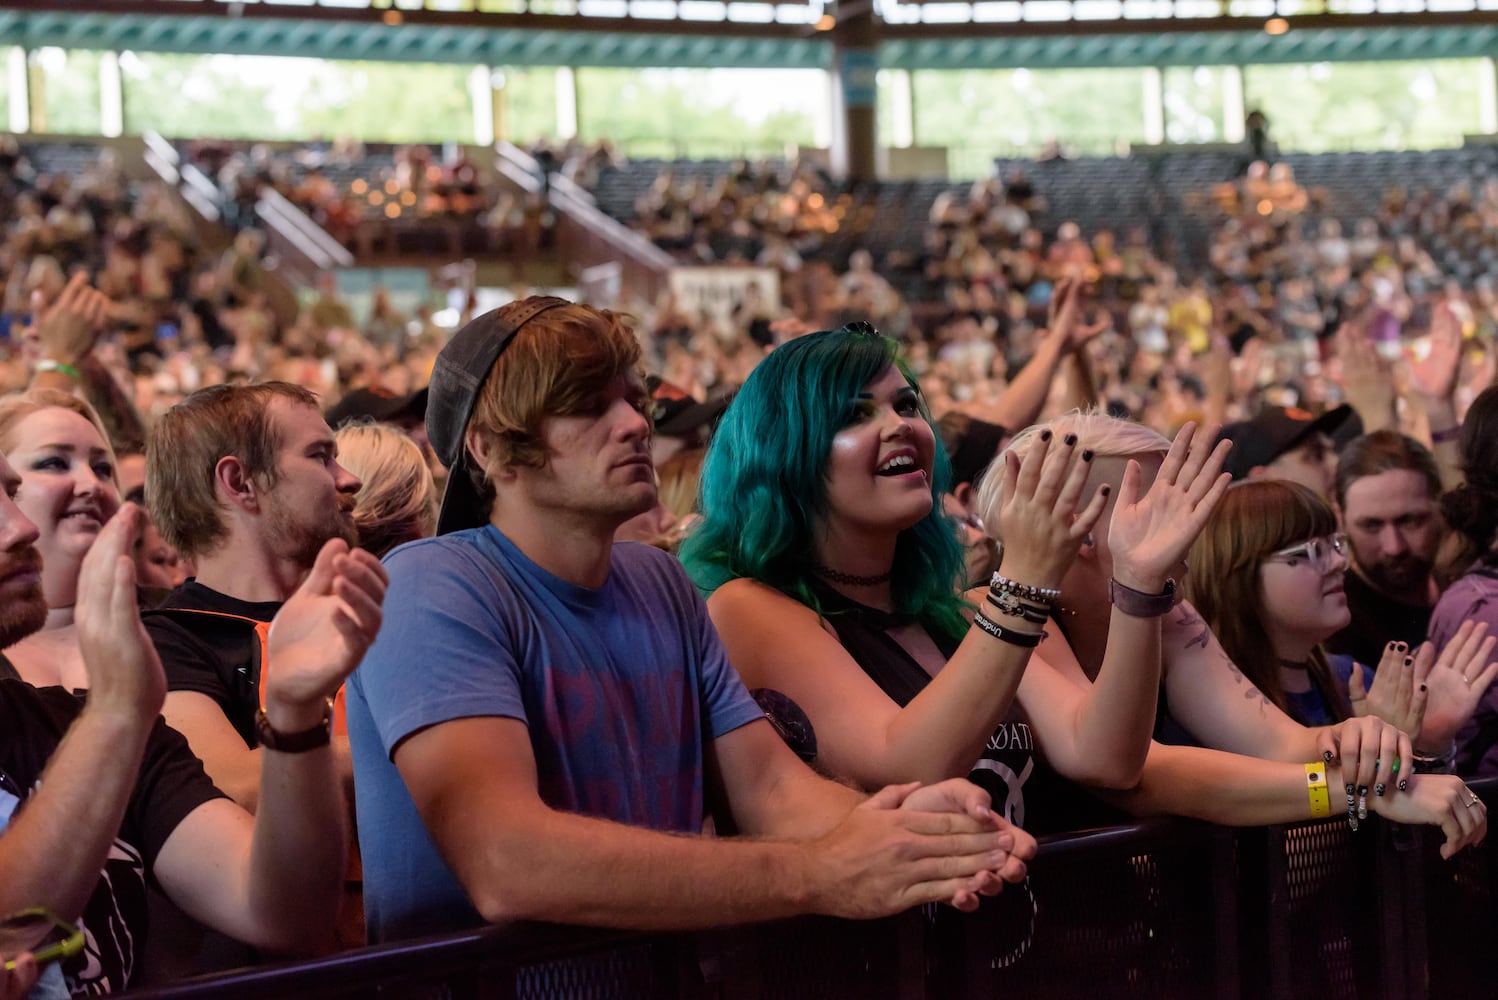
{"x":460,"y":370}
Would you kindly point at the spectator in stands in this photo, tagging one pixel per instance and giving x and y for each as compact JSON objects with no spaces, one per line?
{"x":1287,"y":443}
{"x":1471,"y":564}
{"x":100,"y":798}
{"x":481,"y":796}
{"x":1387,"y":489}
{"x":245,"y":482}
{"x":397,"y":499}
{"x":67,"y":489}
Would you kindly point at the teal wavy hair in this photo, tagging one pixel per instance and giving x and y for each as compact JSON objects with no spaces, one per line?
{"x":764,"y":487}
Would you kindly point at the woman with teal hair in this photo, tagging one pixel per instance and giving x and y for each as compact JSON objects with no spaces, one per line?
{"x":832,"y":574}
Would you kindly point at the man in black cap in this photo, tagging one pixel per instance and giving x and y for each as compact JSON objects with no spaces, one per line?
{"x":547,"y":717}
{"x":679,"y":419}
{"x":1283,"y":442}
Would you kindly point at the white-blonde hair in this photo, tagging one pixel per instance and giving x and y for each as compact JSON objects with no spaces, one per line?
{"x":1104,"y":435}
{"x":397,"y":501}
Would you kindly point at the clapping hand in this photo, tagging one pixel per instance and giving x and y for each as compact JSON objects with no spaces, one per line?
{"x":320,"y":634}
{"x":1149,"y":536}
{"x":1038,"y":515}
{"x":123,"y":668}
{"x":66,"y":330}
{"x":1427,"y":696}
{"x":1065,"y":318}
{"x":1435,"y":375}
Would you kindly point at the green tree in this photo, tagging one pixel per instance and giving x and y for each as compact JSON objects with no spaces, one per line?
{"x":390,"y":102}
{"x":529,"y":97}
{"x":1385,"y":105}
{"x":670,"y":113}
{"x":193,"y":95}
{"x":68,"y":83}
{"x":980,"y":114}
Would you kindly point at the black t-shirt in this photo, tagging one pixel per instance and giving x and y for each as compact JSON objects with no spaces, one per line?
{"x":215,"y":656}
{"x":1377,"y":620}
{"x":170,"y":785}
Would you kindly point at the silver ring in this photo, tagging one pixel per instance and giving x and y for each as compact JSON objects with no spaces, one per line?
{"x":1472,"y":797}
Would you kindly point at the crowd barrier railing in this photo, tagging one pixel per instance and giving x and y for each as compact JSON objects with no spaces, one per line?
{"x":1156,"y":909}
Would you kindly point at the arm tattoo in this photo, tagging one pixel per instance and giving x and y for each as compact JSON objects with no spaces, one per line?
{"x":1189,"y":619}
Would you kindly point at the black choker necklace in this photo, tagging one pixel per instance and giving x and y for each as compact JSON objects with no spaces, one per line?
{"x":849,"y":580}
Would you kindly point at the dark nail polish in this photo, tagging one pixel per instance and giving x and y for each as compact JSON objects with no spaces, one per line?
{"x":1362,"y":790}
{"x":1349,"y":791}
{"x":1070,"y":439}
{"x":1408,"y":660}
{"x":1327,"y":756}
{"x":1422,"y":687}
{"x":1045,"y":435}
{"x":1105,"y":489}
{"x":1404,"y":784}
{"x":1378,"y":789}
{"x":1087,"y":455}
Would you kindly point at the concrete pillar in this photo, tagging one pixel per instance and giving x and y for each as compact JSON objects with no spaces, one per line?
{"x":855,"y":92}
{"x":566,"y":102}
{"x":1233,"y":110}
{"x":111,"y":96}
{"x":481,"y":101}
{"x":902,"y":109}
{"x":1154,"y":105}
{"x":20,"y":91}
{"x":1487,"y":96}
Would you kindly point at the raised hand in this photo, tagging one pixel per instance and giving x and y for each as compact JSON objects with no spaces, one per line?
{"x":1038,"y":515}
{"x":1397,"y":694}
{"x":124,"y":671}
{"x":1367,"y":382}
{"x":320,"y":634}
{"x":67,"y":330}
{"x":1065,"y":316}
{"x":1454,"y":683}
{"x":1148,"y":536}
{"x":1439,"y":800}
{"x":1435,"y":375}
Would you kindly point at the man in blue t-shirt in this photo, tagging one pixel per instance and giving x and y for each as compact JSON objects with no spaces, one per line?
{"x":546,"y":718}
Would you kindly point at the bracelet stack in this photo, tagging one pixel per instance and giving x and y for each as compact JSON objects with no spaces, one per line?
{"x":1018,"y":601}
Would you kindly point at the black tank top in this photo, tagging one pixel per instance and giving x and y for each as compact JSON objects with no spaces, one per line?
{"x":1024,"y":789}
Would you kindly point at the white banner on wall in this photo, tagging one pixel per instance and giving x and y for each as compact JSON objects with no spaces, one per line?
{"x":715,"y":292}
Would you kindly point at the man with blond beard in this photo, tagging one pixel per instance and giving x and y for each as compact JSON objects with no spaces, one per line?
{"x":244,"y":481}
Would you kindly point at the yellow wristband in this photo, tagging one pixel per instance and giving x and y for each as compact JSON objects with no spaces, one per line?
{"x":1321,"y":803}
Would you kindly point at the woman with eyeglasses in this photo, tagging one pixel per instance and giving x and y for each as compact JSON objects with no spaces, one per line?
{"x":1267,"y":576}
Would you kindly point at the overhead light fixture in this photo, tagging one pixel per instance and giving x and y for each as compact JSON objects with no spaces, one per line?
{"x":1276,"y":26}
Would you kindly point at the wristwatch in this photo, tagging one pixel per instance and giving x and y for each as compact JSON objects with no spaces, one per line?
{"x":319,"y":735}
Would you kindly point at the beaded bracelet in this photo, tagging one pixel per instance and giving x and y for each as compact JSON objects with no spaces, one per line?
{"x":1042,"y":595}
{"x":1008,"y":604}
{"x":1446,"y":435}
{"x":1027,"y":640}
